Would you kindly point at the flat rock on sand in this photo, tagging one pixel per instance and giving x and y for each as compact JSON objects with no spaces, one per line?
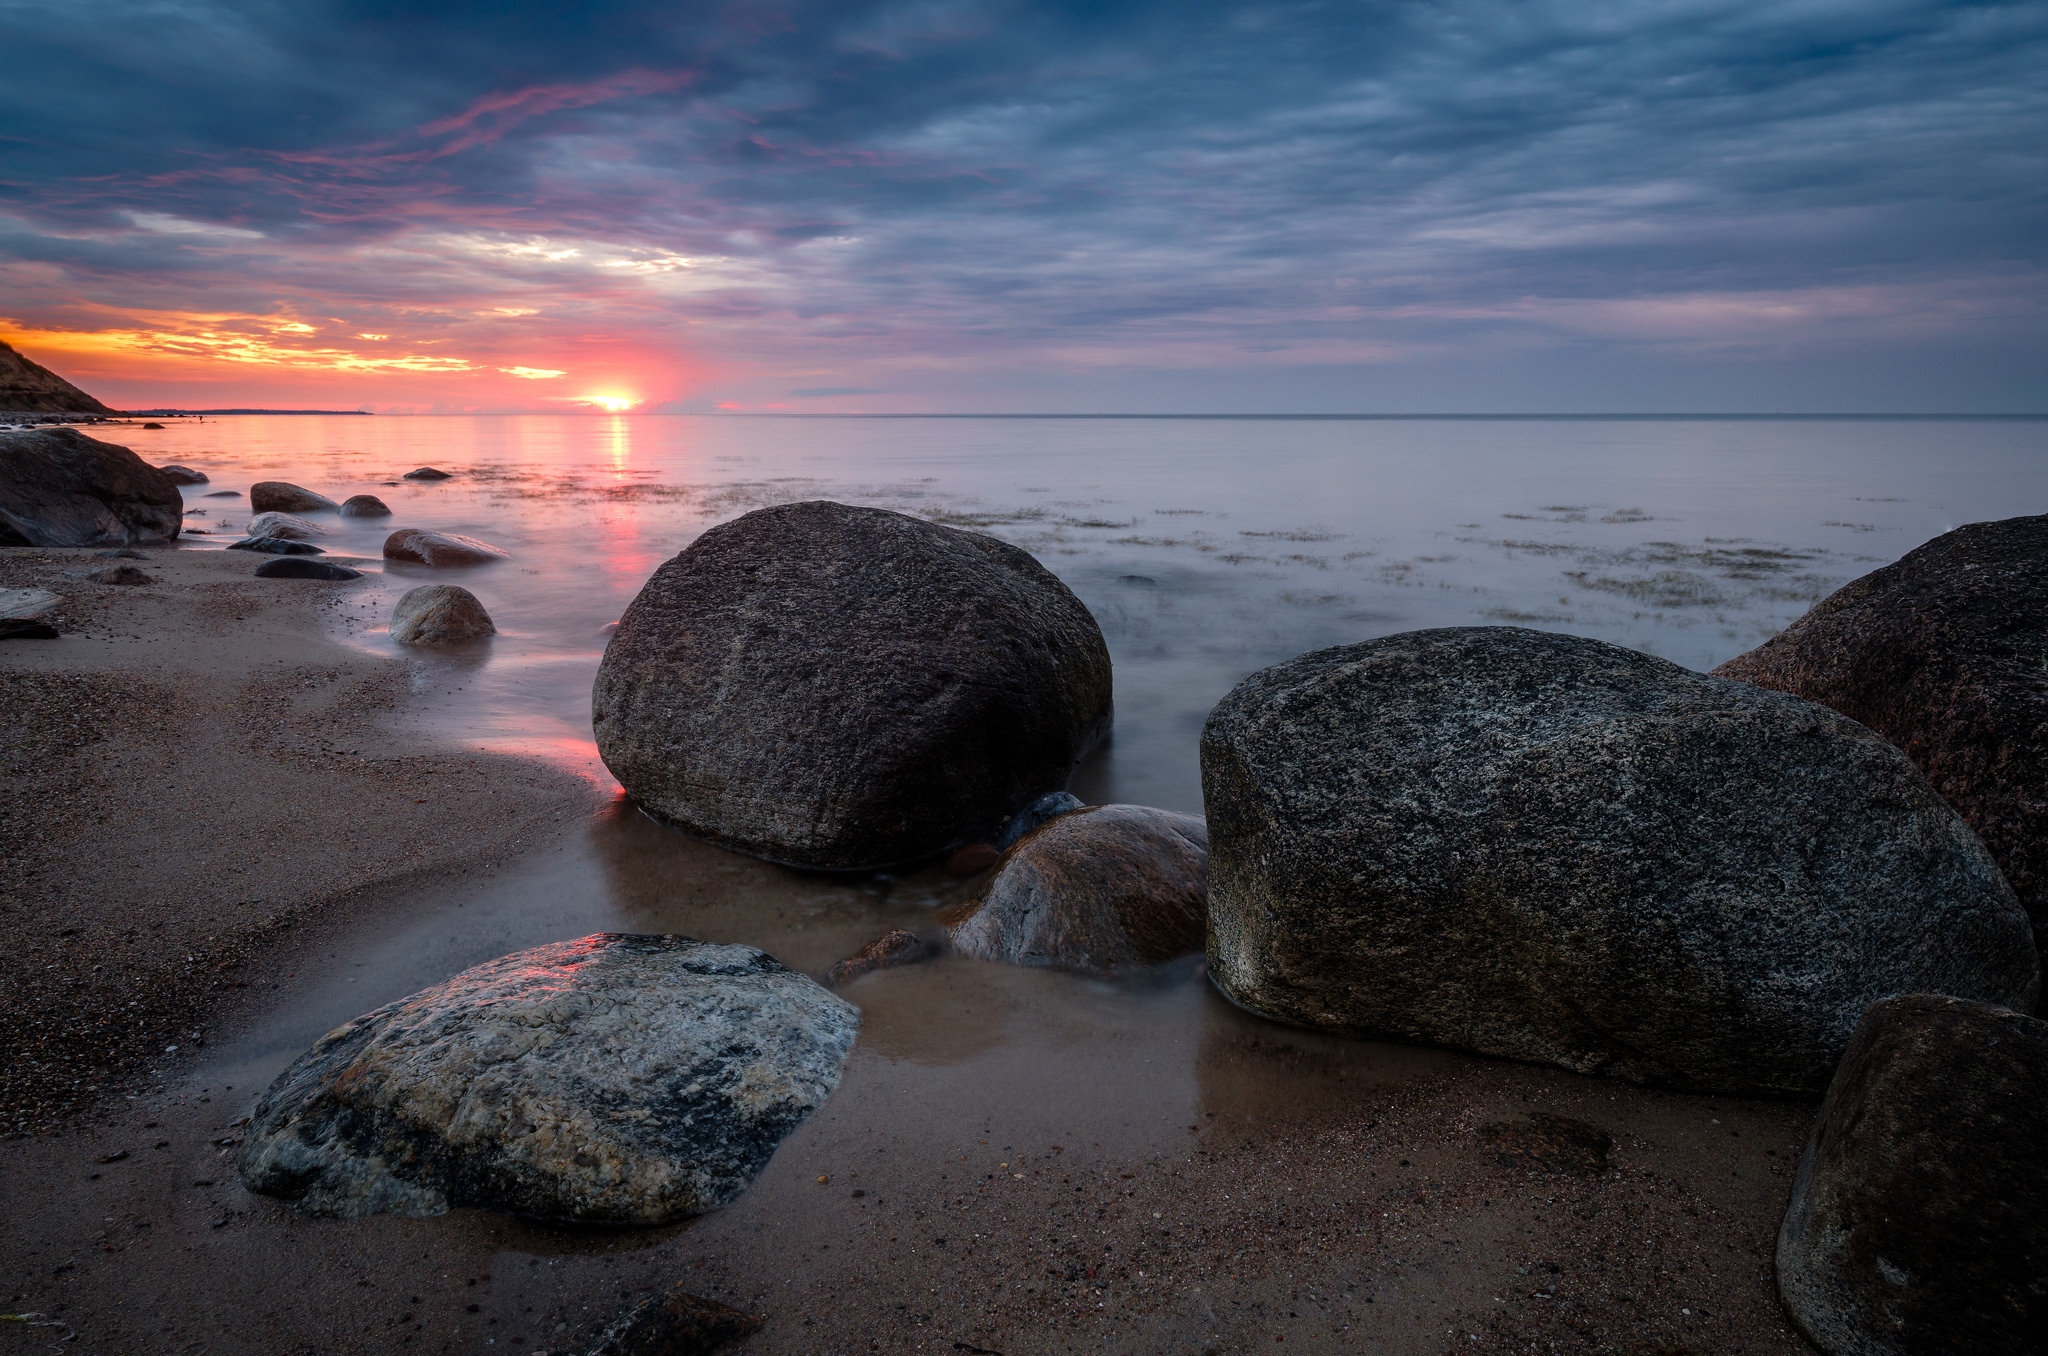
{"x":1554,"y":849}
{"x":1096,"y":890}
{"x":60,"y":488}
{"x":439,"y":614}
{"x":1919,"y":1218}
{"x":281,"y":496}
{"x":846,"y":688}
{"x":1941,"y":653}
{"x":416,"y":546}
{"x":612,"y":1079}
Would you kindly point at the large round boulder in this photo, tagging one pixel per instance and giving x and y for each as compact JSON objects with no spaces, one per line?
{"x":1555,"y":849}
{"x":441,"y":550}
{"x":1919,"y":1216}
{"x":1097,"y":890}
{"x":845,"y":688}
{"x":1941,"y":653}
{"x":440,"y":614}
{"x":281,"y":496}
{"x":61,"y":488}
{"x":612,"y":1079}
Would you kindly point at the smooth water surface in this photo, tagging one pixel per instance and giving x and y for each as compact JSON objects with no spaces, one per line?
{"x":1206,"y":549}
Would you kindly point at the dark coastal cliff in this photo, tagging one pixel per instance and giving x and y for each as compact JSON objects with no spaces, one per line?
{"x":32,"y":388}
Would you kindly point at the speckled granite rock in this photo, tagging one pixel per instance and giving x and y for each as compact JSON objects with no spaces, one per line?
{"x":286,"y":525}
{"x":281,"y":496}
{"x":1096,"y":890}
{"x":846,"y":688}
{"x":1554,"y":849}
{"x":614,"y":1079}
{"x":439,"y":549}
{"x":1918,"y":1224}
{"x":1941,"y":653}
{"x":60,"y":488}
{"x":439,"y":614}
{"x":364,"y":506}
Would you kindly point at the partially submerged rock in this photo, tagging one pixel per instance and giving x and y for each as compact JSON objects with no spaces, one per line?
{"x":61,"y":488}
{"x":439,"y":614}
{"x":286,"y":525}
{"x":439,"y":549}
{"x":1047,"y":807}
{"x":612,"y":1079}
{"x":299,"y":567}
{"x":429,"y":473}
{"x":1919,"y":1216}
{"x":277,"y":546}
{"x":281,"y":496}
{"x":183,"y":475}
{"x":897,"y":946}
{"x":1096,"y":890}
{"x":364,"y":506}
{"x":847,"y":688}
{"x":1554,"y":849}
{"x":675,"y":1324}
{"x":1941,"y":653}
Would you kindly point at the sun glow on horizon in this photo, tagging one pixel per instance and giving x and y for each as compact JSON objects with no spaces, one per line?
{"x":610,"y":404}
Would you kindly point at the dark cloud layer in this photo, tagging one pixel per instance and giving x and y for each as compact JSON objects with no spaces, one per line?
{"x":1165,"y":187}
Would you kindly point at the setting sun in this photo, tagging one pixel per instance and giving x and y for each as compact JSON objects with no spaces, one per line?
{"x":610,"y":404}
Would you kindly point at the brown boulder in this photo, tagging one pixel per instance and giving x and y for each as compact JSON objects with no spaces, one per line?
{"x":440,"y":614}
{"x":281,"y":496}
{"x":1096,"y":890}
{"x":1941,"y":653}
{"x":61,"y":488}
{"x":364,"y":506}
{"x":897,"y":946}
{"x":416,"y":546}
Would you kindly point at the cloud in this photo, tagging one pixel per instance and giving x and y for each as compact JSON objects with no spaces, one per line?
{"x":918,"y":198}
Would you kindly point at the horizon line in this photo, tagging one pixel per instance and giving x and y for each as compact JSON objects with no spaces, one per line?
{"x":1638,"y":415}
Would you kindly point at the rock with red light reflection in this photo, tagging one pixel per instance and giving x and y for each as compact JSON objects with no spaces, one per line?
{"x":848,"y":688}
{"x":613,"y":1079}
{"x":416,"y":546}
{"x":281,"y":496}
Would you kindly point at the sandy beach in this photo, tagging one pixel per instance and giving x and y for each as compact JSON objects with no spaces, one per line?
{"x":208,"y":799}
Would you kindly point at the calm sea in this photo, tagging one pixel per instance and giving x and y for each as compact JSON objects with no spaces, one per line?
{"x":1206,"y":548}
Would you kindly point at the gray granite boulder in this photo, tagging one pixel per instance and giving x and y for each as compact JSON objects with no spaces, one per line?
{"x":1941,"y":653}
{"x":364,"y":506}
{"x":1554,"y":849}
{"x":286,"y":525}
{"x":417,"y":546}
{"x":439,"y":614}
{"x":60,"y":488}
{"x":1096,"y":890}
{"x":846,"y":688}
{"x":612,"y":1079}
{"x":281,"y":496}
{"x":1918,"y":1224}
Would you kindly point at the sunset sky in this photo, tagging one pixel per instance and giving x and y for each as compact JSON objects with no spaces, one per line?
{"x":1472,"y":205}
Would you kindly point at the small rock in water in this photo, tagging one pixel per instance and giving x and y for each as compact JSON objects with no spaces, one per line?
{"x":183,"y":475}
{"x":420,"y":547}
{"x":612,"y":1079}
{"x":1094,"y":890}
{"x":276,"y":546}
{"x":119,"y":574}
{"x":973,"y":859}
{"x":284,"y":525}
{"x":299,"y":567}
{"x":1919,"y":1215}
{"x":281,"y":496}
{"x":225,"y":494}
{"x":155,"y":426}
{"x":429,"y":473}
{"x":26,"y":628}
{"x":364,"y":506}
{"x":675,"y":1324}
{"x":1051,"y":805}
{"x":898,"y":946}
{"x":439,"y":614}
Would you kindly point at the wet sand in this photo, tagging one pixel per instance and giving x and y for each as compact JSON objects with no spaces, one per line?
{"x":1016,"y":1161}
